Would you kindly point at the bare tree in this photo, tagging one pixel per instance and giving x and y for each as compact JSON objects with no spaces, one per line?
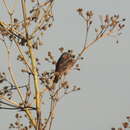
{"x":41,"y":90}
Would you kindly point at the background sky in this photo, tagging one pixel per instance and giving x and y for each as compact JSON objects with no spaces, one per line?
{"x":103,"y":101}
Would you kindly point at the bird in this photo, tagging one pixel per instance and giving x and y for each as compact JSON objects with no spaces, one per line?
{"x":64,"y":65}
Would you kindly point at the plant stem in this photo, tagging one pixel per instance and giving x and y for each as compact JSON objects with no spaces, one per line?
{"x":34,"y":68}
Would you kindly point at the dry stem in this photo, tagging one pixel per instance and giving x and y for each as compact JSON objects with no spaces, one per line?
{"x":35,"y":74}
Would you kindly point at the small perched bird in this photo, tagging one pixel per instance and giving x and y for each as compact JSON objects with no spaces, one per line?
{"x":64,"y":65}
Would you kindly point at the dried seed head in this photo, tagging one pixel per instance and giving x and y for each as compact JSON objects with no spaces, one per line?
{"x":102,"y":27}
{"x":61,"y":49}
{"x":49,"y":25}
{"x":125,"y":124}
{"x":89,"y":13}
{"x":33,"y":0}
{"x":65,"y":84}
{"x":107,"y":19}
{"x":113,"y":128}
{"x":80,"y":11}
{"x":120,"y":128}
{"x":45,"y":27}
{"x":54,"y":62}
{"x":49,"y":53}
{"x":78,"y":88}
{"x":77,"y":65}
{"x":17,"y":115}
{"x":15,"y":20}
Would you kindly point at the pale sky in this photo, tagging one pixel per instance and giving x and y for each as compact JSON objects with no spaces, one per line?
{"x":103,"y":101}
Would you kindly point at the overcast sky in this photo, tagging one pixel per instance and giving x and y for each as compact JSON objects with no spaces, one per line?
{"x":103,"y":101}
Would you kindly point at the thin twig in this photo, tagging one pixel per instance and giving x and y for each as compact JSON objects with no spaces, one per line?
{"x":14,"y":6}
{"x":87,"y":31}
{"x":22,"y":54}
{"x":28,"y":90}
{"x":5,"y":4}
{"x":85,"y":49}
{"x":10,"y":101}
{"x":50,"y":113}
{"x":14,"y":81}
{"x":11,"y":73}
{"x":54,"y":102}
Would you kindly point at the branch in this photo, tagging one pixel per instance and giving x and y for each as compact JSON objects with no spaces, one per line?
{"x":17,"y":87}
{"x":12,"y":31}
{"x":35,"y":74}
{"x":85,"y":49}
{"x":10,"y":101}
